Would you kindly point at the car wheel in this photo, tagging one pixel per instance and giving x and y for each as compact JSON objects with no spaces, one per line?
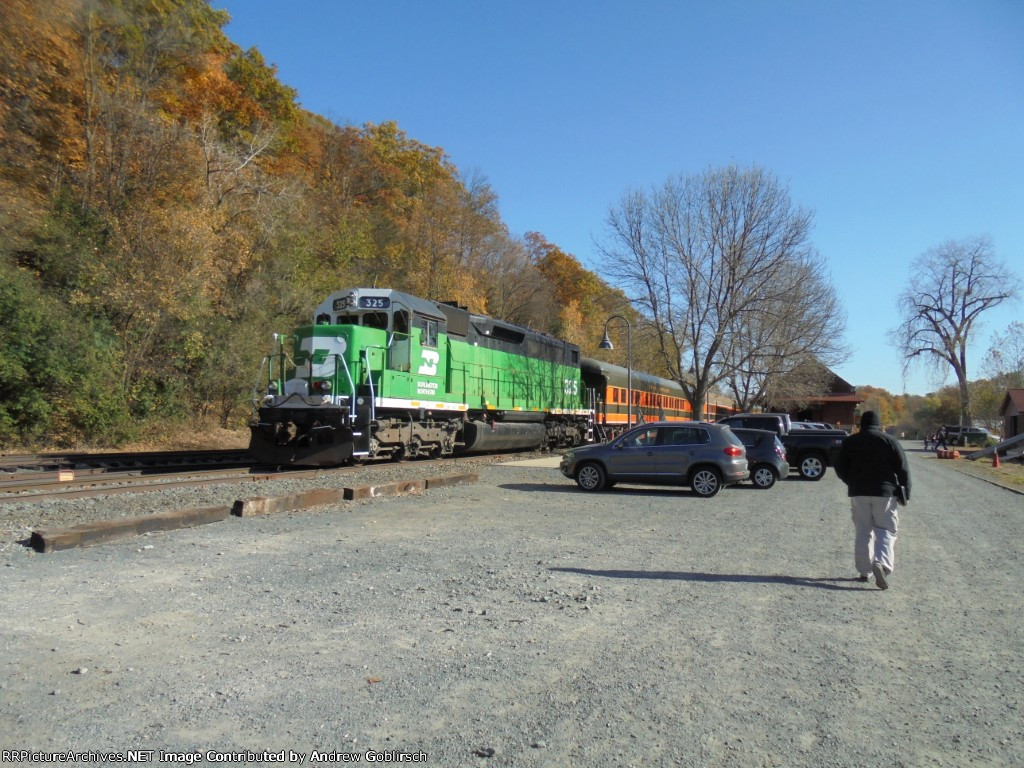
{"x":706,"y":482}
{"x":812,"y":467}
{"x":763,"y":476}
{"x":591,"y":477}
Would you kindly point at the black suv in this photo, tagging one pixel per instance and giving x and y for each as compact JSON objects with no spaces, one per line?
{"x":780,"y":423}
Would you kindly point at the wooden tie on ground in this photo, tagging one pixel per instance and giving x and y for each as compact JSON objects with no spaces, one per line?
{"x":86,"y":534}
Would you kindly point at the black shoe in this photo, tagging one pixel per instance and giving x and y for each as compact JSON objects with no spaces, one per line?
{"x":880,"y":575}
{"x":863,"y":578}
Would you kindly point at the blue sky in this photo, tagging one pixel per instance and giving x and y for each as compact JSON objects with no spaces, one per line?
{"x":899,"y":123}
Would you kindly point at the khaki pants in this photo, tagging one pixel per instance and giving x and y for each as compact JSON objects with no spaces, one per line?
{"x":875,"y":524}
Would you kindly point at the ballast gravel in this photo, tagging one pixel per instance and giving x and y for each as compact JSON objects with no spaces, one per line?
{"x":19,"y":516}
{"x":519,"y":621}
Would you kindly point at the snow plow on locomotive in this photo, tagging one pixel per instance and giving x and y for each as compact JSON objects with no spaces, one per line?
{"x":383,"y":374}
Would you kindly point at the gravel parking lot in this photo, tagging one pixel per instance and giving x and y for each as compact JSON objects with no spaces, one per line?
{"x":520,"y":622}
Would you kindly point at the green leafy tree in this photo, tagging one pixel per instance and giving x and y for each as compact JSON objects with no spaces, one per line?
{"x":56,"y":382}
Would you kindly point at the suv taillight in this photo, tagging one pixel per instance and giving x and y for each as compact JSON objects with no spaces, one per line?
{"x":732,"y":450}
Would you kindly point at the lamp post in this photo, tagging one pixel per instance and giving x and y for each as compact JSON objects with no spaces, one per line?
{"x":606,"y":343}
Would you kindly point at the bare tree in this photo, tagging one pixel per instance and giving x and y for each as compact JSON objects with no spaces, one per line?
{"x":950,"y":287}
{"x":784,"y":348}
{"x":1004,"y":363}
{"x":516,"y":290}
{"x":722,"y":264}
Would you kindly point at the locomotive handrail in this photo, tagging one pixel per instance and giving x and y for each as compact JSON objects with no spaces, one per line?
{"x":348,"y":375}
{"x":257,"y":397}
{"x":267,"y":364}
{"x":369,"y":375}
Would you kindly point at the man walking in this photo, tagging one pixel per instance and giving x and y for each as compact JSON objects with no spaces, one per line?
{"x":873,"y":465}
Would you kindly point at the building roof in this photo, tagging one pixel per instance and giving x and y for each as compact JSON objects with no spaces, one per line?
{"x":851,"y":397}
{"x":1015,"y":396}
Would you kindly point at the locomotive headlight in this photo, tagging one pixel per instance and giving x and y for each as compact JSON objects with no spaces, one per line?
{"x":322,"y":388}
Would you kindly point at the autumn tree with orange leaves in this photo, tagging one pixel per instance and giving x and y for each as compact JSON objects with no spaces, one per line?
{"x":166,"y":204}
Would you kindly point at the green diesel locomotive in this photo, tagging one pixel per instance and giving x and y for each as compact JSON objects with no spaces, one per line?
{"x":384,"y":374}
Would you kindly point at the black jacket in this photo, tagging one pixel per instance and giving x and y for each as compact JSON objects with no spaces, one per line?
{"x":869,"y":463}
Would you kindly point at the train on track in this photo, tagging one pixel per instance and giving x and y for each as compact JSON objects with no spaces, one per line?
{"x":383,"y":374}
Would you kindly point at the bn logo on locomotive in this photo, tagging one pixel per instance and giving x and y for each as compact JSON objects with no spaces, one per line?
{"x":430,"y":361}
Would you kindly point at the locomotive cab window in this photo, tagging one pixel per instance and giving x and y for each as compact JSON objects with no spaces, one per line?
{"x":399,"y":351}
{"x":401,"y":323}
{"x":429,"y":328}
{"x":376,"y":320}
{"x":368,"y":319}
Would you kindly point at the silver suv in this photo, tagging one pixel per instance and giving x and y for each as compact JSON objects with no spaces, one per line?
{"x":698,"y":454}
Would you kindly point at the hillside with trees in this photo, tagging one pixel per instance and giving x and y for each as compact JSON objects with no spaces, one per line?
{"x":167,"y":204}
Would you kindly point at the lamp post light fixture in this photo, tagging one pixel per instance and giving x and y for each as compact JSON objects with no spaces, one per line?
{"x":606,"y":343}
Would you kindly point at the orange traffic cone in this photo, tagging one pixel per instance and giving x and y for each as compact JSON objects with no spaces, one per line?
{"x":995,"y":459}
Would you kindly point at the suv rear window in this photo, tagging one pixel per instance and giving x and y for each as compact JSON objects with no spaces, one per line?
{"x":733,"y":437}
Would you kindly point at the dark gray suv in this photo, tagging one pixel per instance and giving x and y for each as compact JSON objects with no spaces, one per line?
{"x":766,"y":456}
{"x":698,"y":454}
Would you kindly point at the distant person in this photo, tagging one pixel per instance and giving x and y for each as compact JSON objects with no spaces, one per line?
{"x":939,"y":441}
{"x":872,"y":463}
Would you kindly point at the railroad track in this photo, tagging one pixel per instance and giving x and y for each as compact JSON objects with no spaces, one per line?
{"x":150,"y":461}
{"x":65,"y":476}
